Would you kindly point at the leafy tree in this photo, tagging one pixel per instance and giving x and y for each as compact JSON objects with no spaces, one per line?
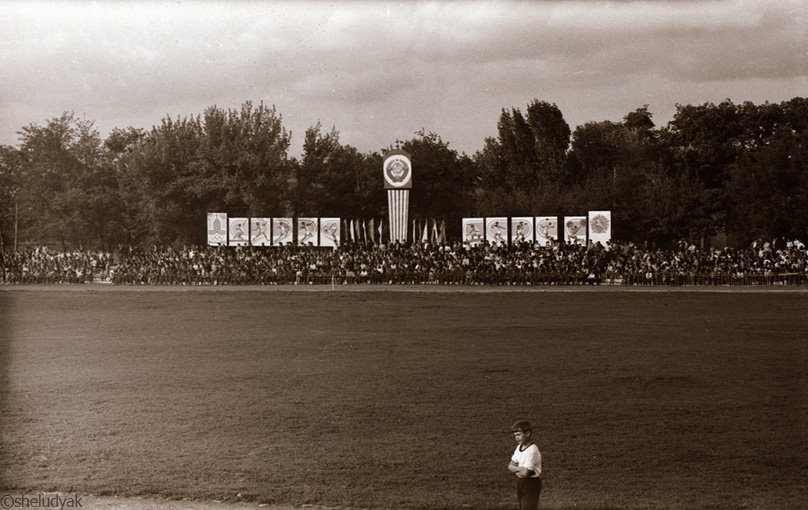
{"x":705,"y":139}
{"x":518,"y":166}
{"x":551,"y":136}
{"x":737,"y":169}
{"x":371,"y":200}
{"x":617,"y":166}
{"x":160,"y":178}
{"x":521,"y":170}
{"x":742,"y":162}
{"x":701,"y":143}
{"x":329,"y":178}
{"x":442,"y":179}
{"x":598,"y":149}
{"x":640,"y":122}
{"x":248,"y":148}
{"x":759,"y":123}
{"x":68,"y":187}
{"x":10,"y":168}
{"x":234,"y":161}
{"x":768,"y":191}
{"x":795,"y":113}
{"x":123,"y":141}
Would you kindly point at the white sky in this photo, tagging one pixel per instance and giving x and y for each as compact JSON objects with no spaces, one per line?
{"x":380,"y":71}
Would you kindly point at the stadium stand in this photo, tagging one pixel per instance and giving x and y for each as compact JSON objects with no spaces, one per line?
{"x":763,"y":263}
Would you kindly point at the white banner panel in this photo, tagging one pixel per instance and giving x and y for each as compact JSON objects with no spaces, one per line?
{"x":522,"y":230}
{"x":239,"y":231}
{"x":546,"y":229}
{"x":496,"y":230}
{"x":259,"y":231}
{"x":329,"y":232}
{"x":600,"y":227}
{"x":398,"y":206}
{"x":217,"y":228}
{"x":307,"y":232}
{"x":575,"y":229}
{"x":282,"y":231}
{"x":473,"y":231}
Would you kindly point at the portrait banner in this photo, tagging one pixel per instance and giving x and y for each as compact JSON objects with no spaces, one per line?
{"x":282,"y":232}
{"x":522,"y":230}
{"x":238,"y":232}
{"x":473,"y":231}
{"x":546,"y":230}
{"x":600,"y":227}
{"x":259,"y":231}
{"x":217,"y":229}
{"x":575,"y":229}
{"x":307,"y":232}
{"x":496,"y":230}
{"x":329,"y":232}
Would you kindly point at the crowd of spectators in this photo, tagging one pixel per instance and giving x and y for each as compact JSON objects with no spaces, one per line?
{"x":525,"y":264}
{"x":41,"y":265}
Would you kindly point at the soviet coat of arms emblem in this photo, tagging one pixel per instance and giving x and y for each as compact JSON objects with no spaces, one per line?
{"x":397,"y":171}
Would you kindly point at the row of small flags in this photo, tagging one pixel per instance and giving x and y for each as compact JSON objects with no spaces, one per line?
{"x":428,"y":231}
{"x":238,"y":231}
{"x":596,"y":227}
{"x":363,"y":231}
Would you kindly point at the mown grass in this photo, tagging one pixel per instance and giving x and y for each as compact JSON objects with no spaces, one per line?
{"x":404,"y":400}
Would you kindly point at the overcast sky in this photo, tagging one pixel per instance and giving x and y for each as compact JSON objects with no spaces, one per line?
{"x":380,"y":71}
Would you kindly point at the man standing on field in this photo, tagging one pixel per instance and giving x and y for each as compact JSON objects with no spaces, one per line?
{"x":526,"y":465}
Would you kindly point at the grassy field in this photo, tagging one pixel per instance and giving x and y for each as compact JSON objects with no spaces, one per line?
{"x":670,"y":400}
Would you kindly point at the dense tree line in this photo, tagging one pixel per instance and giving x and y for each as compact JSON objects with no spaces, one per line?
{"x":733,"y":169}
